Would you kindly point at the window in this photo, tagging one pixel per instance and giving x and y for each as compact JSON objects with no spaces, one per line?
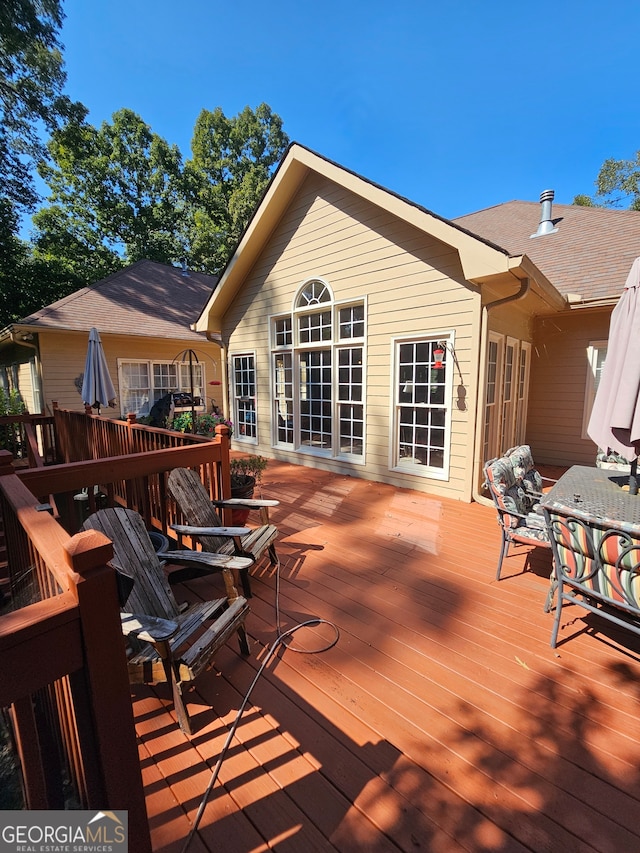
{"x":524,"y":368}
{"x":506,"y":394}
{"x":318,"y":374}
{"x":244,"y":397}
{"x":596,"y":355}
{"x":422,"y":402}
{"x":144,"y":382}
{"x":509,"y":394}
{"x":491,"y":412}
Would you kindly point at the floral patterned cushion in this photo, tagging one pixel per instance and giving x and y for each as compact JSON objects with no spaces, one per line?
{"x":608,"y":459}
{"x":508,"y":496}
{"x":500,"y":476}
{"x":521,"y":460}
{"x":531,"y":530}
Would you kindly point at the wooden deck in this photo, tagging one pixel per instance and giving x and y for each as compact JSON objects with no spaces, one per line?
{"x":441,"y":721}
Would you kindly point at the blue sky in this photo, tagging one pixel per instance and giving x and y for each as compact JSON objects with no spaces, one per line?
{"x":457,"y":105}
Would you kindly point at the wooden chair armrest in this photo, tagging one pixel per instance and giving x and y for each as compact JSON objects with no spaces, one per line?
{"x":189,"y":530}
{"x":203,"y":559}
{"x":150,"y":629}
{"x":248,"y":503}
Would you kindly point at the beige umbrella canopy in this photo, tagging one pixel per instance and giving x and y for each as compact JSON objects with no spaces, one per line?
{"x":97,"y":387}
{"x":615,"y":419}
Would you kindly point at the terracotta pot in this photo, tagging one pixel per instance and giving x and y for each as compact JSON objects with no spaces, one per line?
{"x":242,"y":490}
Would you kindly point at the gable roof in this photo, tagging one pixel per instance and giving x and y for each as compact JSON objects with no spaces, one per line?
{"x":590,"y":254}
{"x":480,"y":256}
{"x":146,"y":299}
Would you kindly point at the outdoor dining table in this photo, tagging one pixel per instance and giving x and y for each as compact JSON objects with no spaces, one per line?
{"x":595,"y":493}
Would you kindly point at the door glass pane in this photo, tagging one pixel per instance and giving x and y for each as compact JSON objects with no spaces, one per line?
{"x":315,"y":403}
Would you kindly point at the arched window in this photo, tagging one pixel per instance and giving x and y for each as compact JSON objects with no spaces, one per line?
{"x":318,"y":374}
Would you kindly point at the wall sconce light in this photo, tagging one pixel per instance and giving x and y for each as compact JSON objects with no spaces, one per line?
{"x":27,"y":336}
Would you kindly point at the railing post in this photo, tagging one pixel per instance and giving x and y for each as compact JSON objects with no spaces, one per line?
{"x":6,"y":463}
{"x":87,"y":554}
{"x":224,"y":474}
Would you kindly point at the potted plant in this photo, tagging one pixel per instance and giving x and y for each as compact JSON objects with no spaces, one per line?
{"x":246,"y":472}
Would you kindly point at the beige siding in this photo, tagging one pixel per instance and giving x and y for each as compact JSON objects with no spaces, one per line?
{"x":25,"y":385}
{"x":18,"y":361}
{"x":413,"y":284}
{"x":559,"y":376}
{"x":63,"y":357}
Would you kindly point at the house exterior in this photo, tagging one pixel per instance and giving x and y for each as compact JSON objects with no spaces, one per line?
{"x":364,"y":334}
{"x":586,"y":255}
{"x":356,"y":329}
{"x":143,"y":314}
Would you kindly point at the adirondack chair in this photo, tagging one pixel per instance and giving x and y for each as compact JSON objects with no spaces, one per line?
{"x":167,"y":642}
{"x":203,"y":522}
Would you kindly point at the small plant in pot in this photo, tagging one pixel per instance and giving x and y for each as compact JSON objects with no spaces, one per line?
{"x":246,"y":473}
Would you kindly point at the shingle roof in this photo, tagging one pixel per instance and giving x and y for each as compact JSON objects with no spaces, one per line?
{"x":147,"y":299}
{"x":591,"y":253}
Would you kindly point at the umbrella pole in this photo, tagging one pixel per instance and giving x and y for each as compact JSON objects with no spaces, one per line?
{"x":633,"y":477}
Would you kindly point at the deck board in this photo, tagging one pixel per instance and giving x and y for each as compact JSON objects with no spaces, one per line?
{"x":441,"y":720}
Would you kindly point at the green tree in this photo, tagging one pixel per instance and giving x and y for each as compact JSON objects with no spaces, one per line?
{"x":117,"y":195}
{"x":32,"y":77}
{"x":121,"y":193}
{"x":617,"y":185}
{"x":26,"y":283}
{"x":232,"y":162}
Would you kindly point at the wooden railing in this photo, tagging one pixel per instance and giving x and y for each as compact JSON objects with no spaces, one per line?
{"x":81,"y":436}
{"x":28,"y":437}
{"x":63,"y":670}
{"x":62,"y":661}
{"x":106,"y":462}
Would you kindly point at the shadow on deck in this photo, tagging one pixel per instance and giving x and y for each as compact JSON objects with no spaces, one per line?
{"x":441,"y":720}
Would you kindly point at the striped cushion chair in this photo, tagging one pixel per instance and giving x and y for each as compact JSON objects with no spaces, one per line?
{"x":518,"y":522}
{"x":597,"y":566}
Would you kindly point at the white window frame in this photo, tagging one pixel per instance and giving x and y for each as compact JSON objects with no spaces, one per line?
{"x":249,"y":402}
{"x":447,"y":337}
{"x":182,"y":376}
{"x":510,"y":376}
{"x":491,"y":426}
{"x":594,"y":350}
{"x":504,"y":424}
{"x":328,"y":340}
{"x":522,"y":392}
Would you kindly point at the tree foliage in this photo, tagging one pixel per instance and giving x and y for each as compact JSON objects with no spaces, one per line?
{"x":232,"y":162}
{"x":32,"y":77}
{"x":117,"y":196}
{"x":617,"y":185}
{"x":27,"y":283}
{"x":121,"y":193}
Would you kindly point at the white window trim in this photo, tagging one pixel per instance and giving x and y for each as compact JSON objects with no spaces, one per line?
{"x":335,"y":344}
{"x":522,"y":403}
{"x":242,"y":439}
{"x":150,"y":362}
{"x":447,"y":336}
{"x":590,"y":385}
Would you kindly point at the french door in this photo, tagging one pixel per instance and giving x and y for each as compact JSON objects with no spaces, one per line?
{"x":506,"y":394}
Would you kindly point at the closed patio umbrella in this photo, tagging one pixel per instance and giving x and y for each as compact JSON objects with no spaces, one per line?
{"x":97,"y":387}
{"x":615,"y":419}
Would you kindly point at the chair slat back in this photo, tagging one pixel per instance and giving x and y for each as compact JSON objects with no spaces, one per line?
{"x":186,"y":488}
{"x":135,"y":556}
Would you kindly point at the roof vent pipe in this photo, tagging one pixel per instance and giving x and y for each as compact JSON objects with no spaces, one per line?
{"x":546,"y":223}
